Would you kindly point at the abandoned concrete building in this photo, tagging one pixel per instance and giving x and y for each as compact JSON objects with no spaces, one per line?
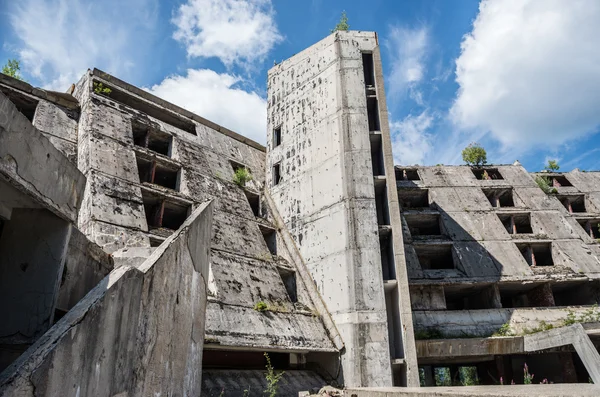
{"x":145,"y":250}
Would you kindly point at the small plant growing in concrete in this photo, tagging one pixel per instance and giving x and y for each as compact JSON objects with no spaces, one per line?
{"x":342,"y":24}
{"x":504,"y":330}
{"x":544,"y":184}
{"x":99,"y":88}
{"x":475,"y":155}
{"x":273,"y":378}
{"x":261,"y":306}
{"x":242,"y":176}
{"x":527,"y":377}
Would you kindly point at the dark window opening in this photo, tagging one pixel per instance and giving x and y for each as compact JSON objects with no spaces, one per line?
{"x":254,"y":201}
{"x":516,"y":224}
{"x":560,"y":181}
{"x":154,"y":242}
{"x":151,"y":172}
{"x":381,"y":205}
{"x":368,"y":70}
{"x":407,"y":174}
{"x":152,"y":110}
{"x":487,"y":174}
{"x":573,"y":203}
{"x":537,"y":254}
{"x":58,"y":314}
{"x":1,"y":227}
{"x":289,"y":281}
{"x":387,"y":257}
{"x":499,"y":198}
{"x":591,"y":227}
{"x":435,"y":256}
{"x":277,"y":137}
{"x":270,"y":237}
{"x":576,"y":294}
{"x":377,"y":156}
{"x":276,"y":174}
{"x":424,"y":224}
{"x":161,"y":213}
{"x":151,"y":139}
{"x":229,"y":359}
{"x":523,"y":295}
{"x":23,"y":103}
{"x":413,"y":198}
{"x":471,"y":298}
{"x":373,"y":114}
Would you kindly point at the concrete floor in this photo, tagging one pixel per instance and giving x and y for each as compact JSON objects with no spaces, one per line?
{"x":555,"y":390}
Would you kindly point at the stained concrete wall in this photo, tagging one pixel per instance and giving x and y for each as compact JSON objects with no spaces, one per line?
{"x":326,"y":195}
{"x":138,"y":333}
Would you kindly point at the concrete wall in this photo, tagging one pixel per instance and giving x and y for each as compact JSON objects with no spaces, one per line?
{"x":326,"y":196}
{"x":138,"y":333}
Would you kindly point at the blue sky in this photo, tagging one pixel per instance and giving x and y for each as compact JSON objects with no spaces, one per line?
{"x":520,"y":77}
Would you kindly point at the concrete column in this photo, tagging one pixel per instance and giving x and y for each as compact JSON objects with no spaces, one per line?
{"x":568,"y":367}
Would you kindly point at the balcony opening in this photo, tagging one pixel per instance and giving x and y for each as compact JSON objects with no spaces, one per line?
{"x":289,"y":281}
{"x":487,"y":174}
{"x":576,"y":294}
{"x":537,"y":254}
{"x":152,"y":172}
{"x":591,"y":227}
{"x":573,"y":204}
{"x":373,"y":114}
{"x":381,"y":205}
{"x":435,"y":256}
{"x":368,"y":69}
{"x":413,"y":198}
{"x":151,"y":139}
{"x":424,"y":224}
{"x":459,"y":297}
{"x":517,"y":223}
{"x":560,"y":181}
{"x":499,"y":198}
{"x":254,"y":201}
{"x":24,"y":104}
{"x":515,"y":295}
{"x":387,"y":257}
{"x":270,"y":237}
{"x":377,"y":156}
{"x":163,"y":213}
{"x":407,"y":174}
{"x":276,"y":174}
{"x":276,"y":136}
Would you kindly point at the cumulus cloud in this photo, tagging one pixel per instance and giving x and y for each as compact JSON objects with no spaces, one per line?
{"x":408,"y":50}
{"x":218,"y":98}
{"x":234,"y":31}
{"x":529,"y":72}
{"x":411,"y":141}
{"x":61,"y":39}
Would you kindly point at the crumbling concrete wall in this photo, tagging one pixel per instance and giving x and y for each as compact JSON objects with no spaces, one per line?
{"x":326,"y":194}
{"x":138,"y":333}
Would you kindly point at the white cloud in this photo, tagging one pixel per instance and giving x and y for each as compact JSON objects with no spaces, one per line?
{"x":529,"y":72}
{"x":408,"y":50}
{"x":232,"y":30}
{"x":61,"y":39}
{"x":216,"y":97}
{"x":411,"y":143}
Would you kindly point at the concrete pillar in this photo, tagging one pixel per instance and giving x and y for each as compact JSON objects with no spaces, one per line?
{"x":568,"y":367}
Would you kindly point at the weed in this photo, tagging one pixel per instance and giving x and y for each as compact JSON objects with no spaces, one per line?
{"x":504,"y":330}
{"x":273,"y":378}
{"x":99,"y":88}
{"x":429,"y":333}
{"x":241,"y":176}
{"x":261,"y":306}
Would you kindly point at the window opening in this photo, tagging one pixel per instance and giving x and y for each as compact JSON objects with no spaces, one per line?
{"x":516,"y":224}
{"x":276,"y":174}
{"x":471,"y":298}
{"x":277,"y":136}
{"x":387,"y":257}
{"x":152,"y":172}
{"x":381,"y":205}
{"x":373,"y":114}
{"x":254,"y":201}
{"x":289,"y":281}
{"x":270,"y":237}
{"x":377,"y":157}
{"x":413,"y":198}
{"x":487,"y":174}
{"x":560,"y":181}
{"x":499,"y":198}
{"x":149,"y":138}
{"x":24,"y":104}
{"x":161,"y":213}
{"x":368,"y":69}
{"x":573,"y":203}
{"x":435,"y":256}
{"x":424,"y":224}
{"x":591,"y":227}
{"x":407,"y":174}
{"x":537,"y":254}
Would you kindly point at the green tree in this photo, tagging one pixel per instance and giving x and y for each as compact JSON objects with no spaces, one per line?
{"x":474,"y":154}
{"x":12,"y":69}
{"x":552,"y":166}
{"x":342,"y":24}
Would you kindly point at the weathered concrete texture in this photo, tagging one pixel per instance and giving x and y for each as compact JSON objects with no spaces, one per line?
{"x":326,"y":195}
{"x":557,"y":390}
{"x":138,"y":333}
{"x":31,"y":161}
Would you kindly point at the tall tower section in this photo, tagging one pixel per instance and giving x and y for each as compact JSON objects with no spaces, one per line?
{"x":330,"y":173}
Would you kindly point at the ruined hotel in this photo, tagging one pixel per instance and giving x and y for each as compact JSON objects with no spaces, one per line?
{"x":135,"y":262}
